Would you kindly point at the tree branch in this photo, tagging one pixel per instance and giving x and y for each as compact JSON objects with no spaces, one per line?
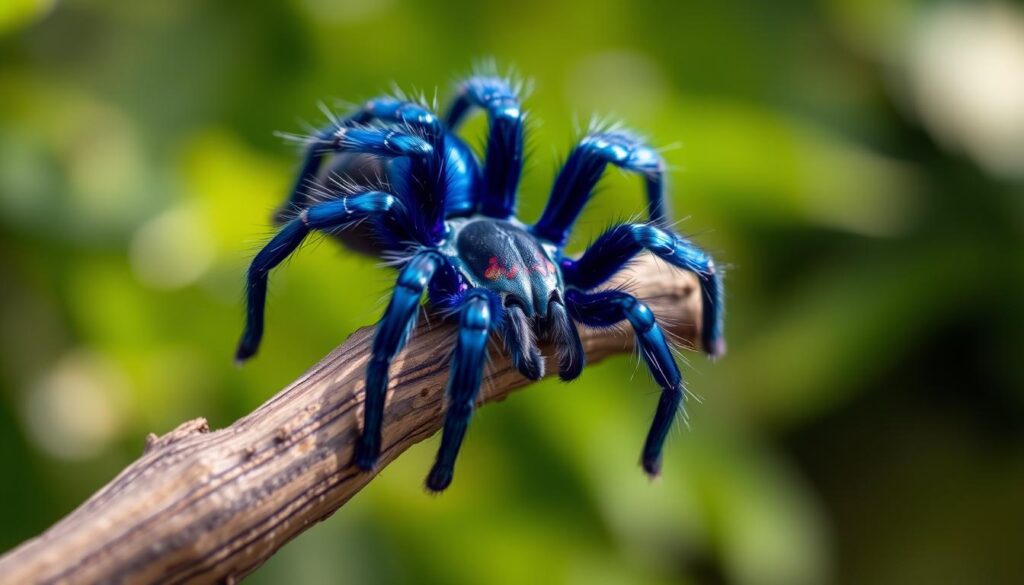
{"x":203,"y":506}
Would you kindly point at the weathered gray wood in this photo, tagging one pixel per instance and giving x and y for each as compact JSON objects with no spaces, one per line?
{"x":212,"y":506}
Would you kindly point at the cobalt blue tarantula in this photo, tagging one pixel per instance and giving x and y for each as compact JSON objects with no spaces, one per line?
{"x":428,"y":201}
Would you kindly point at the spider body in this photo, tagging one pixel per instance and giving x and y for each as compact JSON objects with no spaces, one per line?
{"x":395,"y":181}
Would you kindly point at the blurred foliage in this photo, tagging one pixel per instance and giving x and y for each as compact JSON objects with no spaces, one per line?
{"x":868,"y":425}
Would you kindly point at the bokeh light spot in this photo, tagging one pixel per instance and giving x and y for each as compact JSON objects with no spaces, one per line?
{"x":78,"y":407}
{"x":619,"y":83}
{"x":172,"y":250}
{"x":966,"y":71}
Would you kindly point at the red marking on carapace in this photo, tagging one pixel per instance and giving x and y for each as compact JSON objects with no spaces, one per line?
{"x":496,"y":271}
{"x":493,"y":271}
{"x":543,"y":266}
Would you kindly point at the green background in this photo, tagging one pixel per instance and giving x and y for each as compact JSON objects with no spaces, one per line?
{"x":856,"y":165}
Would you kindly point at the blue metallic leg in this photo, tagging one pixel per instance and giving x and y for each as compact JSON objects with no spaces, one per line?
{"x":335,"y":214}
{"x":384,"y":109}
{"x":616,"y":247}
{"x":338,"y":139}
{"x":423,"y":181}
{"x":468,"y":362}
{"x":392,"y":110}
{"x":604,"y":309}
{"x":392,"y":332}
{"x":422,"y":185}
{"x":503,"y":163}
{"x":583,"y":169}
{"x":312,"y":158}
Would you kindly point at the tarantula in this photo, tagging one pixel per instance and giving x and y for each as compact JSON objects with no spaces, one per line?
{"x":393,"y":179}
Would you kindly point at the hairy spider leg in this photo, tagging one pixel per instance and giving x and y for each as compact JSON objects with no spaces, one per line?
{"x":392,"y":333}
{"x":388,"y":109}
{"x":385,"y":108}
{"x":583,"y":169}
{"x":455,"y":177}
{"x":468,"y":360}
{"x":339,"y":213}
{"x":613,"y":250}
{"x":423,"y":182}
{"x":606,"y":308}
{"x":517,"y":332}
{"x":383,"y":142}
{"x":503,"y":160}
{"x":562,"y":331}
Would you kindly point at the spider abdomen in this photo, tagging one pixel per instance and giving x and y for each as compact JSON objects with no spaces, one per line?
{"x":503,"y":257}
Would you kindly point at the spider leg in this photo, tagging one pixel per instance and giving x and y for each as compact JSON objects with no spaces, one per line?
{"x":385,"y":109}
{"x":392,"y":110}
{"x":503,"y":161}
{"x":475,"y":323}
{"x":392,"y":333}
{"x":616,"y":247}
{"x":338,"y":213}
{"x":423,"y":180}
{"x":582,"y":170}
{"x":604,"y":309}
{"x":442,"y":184}
{"x":337,"y":139}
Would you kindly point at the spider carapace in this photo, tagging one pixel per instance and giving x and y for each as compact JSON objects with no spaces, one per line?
{"x":503,"y":257}
{"x":394,"y":180}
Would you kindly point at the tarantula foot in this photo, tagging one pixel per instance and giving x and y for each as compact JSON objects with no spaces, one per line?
{"x":716,"y":348}
{"x":652,"y":466}
{"x":367,"y":453}
{"x":439,"y":479}
{"x":243,"y":353}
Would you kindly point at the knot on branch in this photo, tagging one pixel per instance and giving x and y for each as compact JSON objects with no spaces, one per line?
{"x":196,"y":426}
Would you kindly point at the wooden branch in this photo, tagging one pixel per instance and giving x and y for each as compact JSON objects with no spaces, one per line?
{"x":202,"y":506}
